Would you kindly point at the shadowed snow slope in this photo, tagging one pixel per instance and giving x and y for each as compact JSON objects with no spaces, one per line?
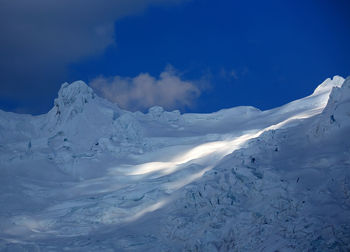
{"x":89,"y":176}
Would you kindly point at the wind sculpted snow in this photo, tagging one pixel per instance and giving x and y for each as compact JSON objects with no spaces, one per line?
{"x":89,"y":176}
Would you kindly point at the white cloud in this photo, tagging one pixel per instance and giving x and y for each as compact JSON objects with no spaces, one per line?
{"x":145,"y":91}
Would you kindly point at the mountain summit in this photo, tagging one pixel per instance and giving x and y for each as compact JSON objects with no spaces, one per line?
{"x":73,"y":95}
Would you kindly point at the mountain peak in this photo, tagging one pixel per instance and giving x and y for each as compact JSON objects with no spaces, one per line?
{"x":70,"y":93}
{"x":328,"y":84}
{"x":339,"y":94}
{"x":72,"y":98}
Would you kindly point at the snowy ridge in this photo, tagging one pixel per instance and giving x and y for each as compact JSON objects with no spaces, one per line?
{"x":89,"y":176}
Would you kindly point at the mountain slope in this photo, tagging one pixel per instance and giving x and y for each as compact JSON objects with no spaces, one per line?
{"x":89,"y":176}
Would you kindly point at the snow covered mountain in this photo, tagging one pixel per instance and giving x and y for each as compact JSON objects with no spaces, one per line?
{"x":89,"y":176}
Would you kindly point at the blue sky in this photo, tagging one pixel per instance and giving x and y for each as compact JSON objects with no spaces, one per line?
{"x":210,"y":54}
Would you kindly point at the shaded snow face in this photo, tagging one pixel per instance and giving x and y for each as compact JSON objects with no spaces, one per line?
{"x":339,"y":103}
{"x":89,"y":176}
{"x":73,"y":98}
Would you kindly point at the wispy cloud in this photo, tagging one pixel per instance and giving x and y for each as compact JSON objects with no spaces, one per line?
{"x":233,"y":74}
{"x":144,"y":91}
{"x":228,"y":74}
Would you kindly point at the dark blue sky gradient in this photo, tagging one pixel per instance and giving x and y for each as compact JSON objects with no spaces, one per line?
{"x":279,"y":50}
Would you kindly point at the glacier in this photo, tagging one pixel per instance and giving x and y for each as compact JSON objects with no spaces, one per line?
{"x":90,"y":176}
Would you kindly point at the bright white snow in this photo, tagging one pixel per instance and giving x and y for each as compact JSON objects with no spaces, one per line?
{"x":89,"y":176}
